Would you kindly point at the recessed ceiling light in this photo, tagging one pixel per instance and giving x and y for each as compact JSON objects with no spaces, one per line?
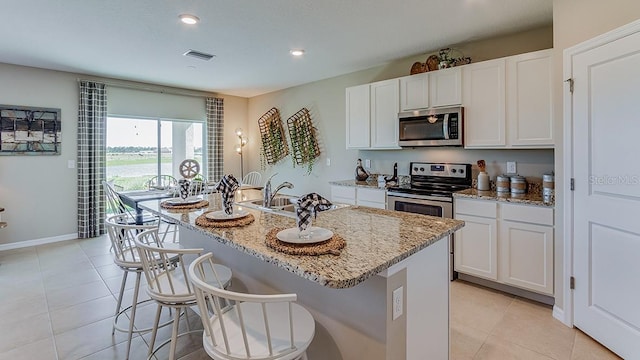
{"x":189,"y":19}
{"x":297,"y":52}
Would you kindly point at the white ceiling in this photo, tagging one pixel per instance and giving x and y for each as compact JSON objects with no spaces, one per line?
{"x":143,"y":40}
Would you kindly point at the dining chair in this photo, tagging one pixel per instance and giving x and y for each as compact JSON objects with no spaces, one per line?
{"x":126,"y":256}
{"x":116,"y":206}
{"x":248,"y":326}
{"x":253,"y":178}
{"x":198,"y":186}
{"x":162,"y":182}
{"x":165,"y":270}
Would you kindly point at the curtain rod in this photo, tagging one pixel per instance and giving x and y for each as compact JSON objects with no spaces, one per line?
{"x":153,"y":88}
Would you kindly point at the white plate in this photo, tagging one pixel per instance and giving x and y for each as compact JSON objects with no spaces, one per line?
{"x":187,"y":201}
{"x":318,"y":234}
{"x":221,"y":215}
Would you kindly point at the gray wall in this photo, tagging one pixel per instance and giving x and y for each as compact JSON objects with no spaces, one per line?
{"x":326,"y":101}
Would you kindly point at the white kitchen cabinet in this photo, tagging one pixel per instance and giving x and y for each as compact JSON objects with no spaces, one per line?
{"x":505,"y":242}
{"x":375,"y":198}
{"x":357,"y":117}
{"x":530,"y":100}
{"x":484,"y":104}
{"x":385,"y":105}
{"x":445,"y":87}
{"x":414,"y":92}
{"x":343,"y":194}
{"x":476,"y":244}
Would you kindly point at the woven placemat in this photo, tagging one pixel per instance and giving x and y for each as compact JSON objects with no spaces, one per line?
{"x":331,"y":246}
{"x":204,"y":221}
{"x":198,"y":205}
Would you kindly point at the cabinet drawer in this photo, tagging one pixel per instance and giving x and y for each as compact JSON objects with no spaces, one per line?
{"x":343,"y":200}
{"x":528,"y":214}
{"x":371,"y":195}
{"x":372,"y":204}
{"x":348,"y":192}
{"x":476,"y":207}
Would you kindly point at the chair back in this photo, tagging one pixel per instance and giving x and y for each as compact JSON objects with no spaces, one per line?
{"x":197,"y":187}
{"x":122,"y":235}
{"x":162,"y":182}
{"x":114,"y":203}
{"x":253,"y":178}
{"x":165,"y":268}
{"x":244,"y":326}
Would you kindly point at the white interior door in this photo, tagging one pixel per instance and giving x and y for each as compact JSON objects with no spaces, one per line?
{"x":606,"y":129}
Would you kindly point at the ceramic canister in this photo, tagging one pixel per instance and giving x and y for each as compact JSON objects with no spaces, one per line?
{"x":502,"y":183}
{"x":548,"y":186}
{"x":518,"y":184}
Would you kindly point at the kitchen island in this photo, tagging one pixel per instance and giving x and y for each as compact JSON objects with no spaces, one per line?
{"x":387,"y":255}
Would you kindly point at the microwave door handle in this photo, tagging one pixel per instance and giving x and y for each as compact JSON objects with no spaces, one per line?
{"x":445,"y":126}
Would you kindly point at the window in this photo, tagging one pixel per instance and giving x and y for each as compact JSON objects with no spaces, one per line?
{"x":140,"y":148}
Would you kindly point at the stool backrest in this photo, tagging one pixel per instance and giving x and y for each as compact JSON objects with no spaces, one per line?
{"x":122,"y":235}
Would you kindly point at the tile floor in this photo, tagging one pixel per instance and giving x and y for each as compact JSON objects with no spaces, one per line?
{"x":57,"y":302}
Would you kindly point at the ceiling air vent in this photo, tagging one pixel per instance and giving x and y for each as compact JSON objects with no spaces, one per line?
{"x":199,"y":55}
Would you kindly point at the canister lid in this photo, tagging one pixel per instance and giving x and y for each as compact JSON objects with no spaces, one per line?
{"x":502,"y":177}
{"x":547,"y":177}
{"x":518,"y":179}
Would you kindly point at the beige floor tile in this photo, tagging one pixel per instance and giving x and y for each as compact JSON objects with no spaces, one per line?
{"x":96,"y":246}
{"x":41,"y":350}
{"x":114,"y":283}
{"x":62,"y":268}
{"x":19,"y":309}
{"x":74,"y":295}
{"x":109,"y":271}
{"x":85,"y":313}
{"x":24,"y":331}
{"x":139,"y":350}
{"x":498,"y":349}
{"x":476,"y":307}
{"x":16,"y":273}
{"x":20,"y":291}
{"x":70,"y":279}
{"x":197,"y":355}
{"x":101,"y":260}
{"x":532,"y":326}
{"x":585,"y":348}
{"x":86,"y":340}
{"x":465,"y":341}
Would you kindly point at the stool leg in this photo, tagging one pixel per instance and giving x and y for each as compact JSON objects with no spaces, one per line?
{"x":124,"y":281}
{"x":134,"y":305}
{"x":155,"y":330}
{"x":174,"y":335}
{"x":304,"y":356}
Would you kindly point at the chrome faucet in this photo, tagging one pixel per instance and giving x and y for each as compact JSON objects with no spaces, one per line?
{"x":268,"y":195}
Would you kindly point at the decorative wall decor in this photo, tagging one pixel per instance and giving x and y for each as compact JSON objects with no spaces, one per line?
{"x":303,"y":139}
{"x":446,"y":58}
{"x":274,"y":142}
{"x":27,"y":130}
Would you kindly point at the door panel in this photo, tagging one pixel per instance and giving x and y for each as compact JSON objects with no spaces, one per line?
{"x":476,"y":247}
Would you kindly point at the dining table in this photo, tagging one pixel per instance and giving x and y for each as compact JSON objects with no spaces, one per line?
{"x":132,"y":198}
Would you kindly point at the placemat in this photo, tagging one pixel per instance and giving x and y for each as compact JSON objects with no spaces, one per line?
{"x":331,"y":246}
{"x":204,"y":221}
{"x":198,"y":205}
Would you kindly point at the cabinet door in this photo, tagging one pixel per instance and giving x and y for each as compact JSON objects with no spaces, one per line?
{"x":526,"y":256}
{"x":343,"y":194}
{"x":414,"y":92}
{"x":385,"y":100}
{"x":475,"y":247}
{"x":530,"y":99}
{"x":357,"y":117}
{"x":445,"y":87}
{"x":374,"y":198}
{"x":484,"y":104}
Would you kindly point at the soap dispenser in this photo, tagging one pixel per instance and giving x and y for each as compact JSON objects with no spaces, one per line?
{"x":483,"y":177}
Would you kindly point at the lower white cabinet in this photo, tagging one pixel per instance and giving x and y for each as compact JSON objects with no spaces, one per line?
{"x":507,"y":243}
{"x":375,"y":198}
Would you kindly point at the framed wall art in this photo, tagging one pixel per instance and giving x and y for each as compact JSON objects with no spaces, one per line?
{"x":27,"y":130}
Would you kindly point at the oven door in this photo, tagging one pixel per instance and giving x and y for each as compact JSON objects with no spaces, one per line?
{"x":420,"y":204}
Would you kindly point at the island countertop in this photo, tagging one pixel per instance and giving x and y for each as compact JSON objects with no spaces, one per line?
{"x":375,"y":239}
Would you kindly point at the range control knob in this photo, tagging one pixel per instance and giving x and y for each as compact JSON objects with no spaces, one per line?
{"x":415,"y":169}
{"x":422,"y":169}
{"x":461,"y":171}
{"x":454,"y":171}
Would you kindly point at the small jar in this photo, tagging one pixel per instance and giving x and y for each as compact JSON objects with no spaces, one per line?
{"x":502,"y":184}
{"x":548,"y":187}
{"x":518,"y":185}
{"x":483,"y":181}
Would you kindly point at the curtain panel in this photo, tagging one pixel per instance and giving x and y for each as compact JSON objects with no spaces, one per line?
{"x":92,"y":116}
{"x":215,"y":134}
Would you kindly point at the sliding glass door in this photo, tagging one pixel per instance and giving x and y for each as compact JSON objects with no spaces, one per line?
{"x":140,"y":148}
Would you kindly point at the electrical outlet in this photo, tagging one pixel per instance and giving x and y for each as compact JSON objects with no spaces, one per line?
{"x":367,"y":163}
{"x":328,"y":162}
{"x":397,"y":302}
{"x":511,"y":167}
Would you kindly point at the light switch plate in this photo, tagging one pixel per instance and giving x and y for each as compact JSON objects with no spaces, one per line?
{"x":367,"y":163}
{"x":328,"y":162}
{"x":511,"y":167}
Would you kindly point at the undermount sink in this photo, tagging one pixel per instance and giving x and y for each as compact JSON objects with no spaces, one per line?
{"x":281,"y":204}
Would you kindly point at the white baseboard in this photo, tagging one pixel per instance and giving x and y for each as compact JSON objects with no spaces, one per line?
{"x":27,"y":243}
{"x":558,"y":314}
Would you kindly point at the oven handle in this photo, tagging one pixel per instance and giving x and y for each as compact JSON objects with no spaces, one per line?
{"x":420,"y":197}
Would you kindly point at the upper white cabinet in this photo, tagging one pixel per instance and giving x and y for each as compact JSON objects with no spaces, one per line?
{"x":445,"y":87}
{"x":530,"y":99}
{"x":508,"y":102}
{"x":484,"y":104}
{"x":384,"y":114}
{"x":357,"y":116}
{"x":414,"y":92}
{"x":372,"y":115}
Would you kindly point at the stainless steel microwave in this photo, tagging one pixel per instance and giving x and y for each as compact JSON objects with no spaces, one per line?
{"x":431,"y":127}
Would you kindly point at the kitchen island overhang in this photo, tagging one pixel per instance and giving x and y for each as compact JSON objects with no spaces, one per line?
{"x":350,"y":295}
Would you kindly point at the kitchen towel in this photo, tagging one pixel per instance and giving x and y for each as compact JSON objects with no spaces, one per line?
{"x":308,"y":204}
{"x":227,"y":188}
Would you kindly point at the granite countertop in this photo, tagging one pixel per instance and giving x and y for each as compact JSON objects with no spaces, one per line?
{"x":369,"y":183}
{"x":528,"y":198}
{"x":376,"y":239}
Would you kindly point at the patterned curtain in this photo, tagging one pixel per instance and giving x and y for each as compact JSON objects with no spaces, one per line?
{"x":215,"y":132}
{"x":92,"y":116}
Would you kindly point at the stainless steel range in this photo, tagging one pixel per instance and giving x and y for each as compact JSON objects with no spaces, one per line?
{"x":430,"y":192}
